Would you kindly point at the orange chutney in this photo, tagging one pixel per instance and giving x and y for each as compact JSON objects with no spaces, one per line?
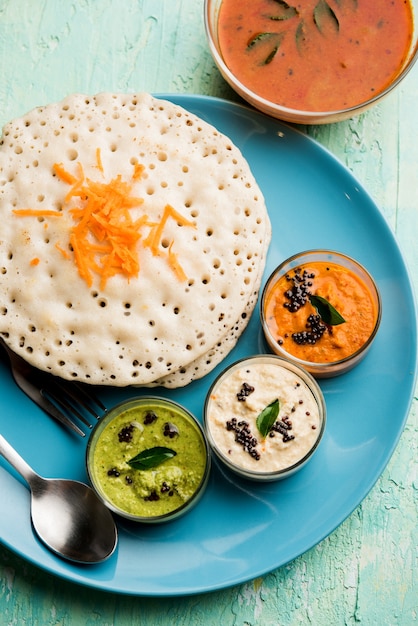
{"x":343,"y":289}
{"x":315,"y":55}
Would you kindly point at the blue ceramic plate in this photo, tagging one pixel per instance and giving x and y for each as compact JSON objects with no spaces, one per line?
{"x":242,"y":530}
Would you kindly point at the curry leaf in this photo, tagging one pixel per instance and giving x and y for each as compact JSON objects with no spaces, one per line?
{"x":259,"y":37}
{"x":276,"y":40}
{"x":300,"y":35}
{"x":323,"y":15}
{"x":267,"y":418}
{"x":152,"y":457}
{"x":328,"y":313}
{"x":286,"y":11}
{"x":270,"y":56}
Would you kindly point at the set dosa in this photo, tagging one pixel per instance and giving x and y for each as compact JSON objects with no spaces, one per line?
{"x":133,"y":238}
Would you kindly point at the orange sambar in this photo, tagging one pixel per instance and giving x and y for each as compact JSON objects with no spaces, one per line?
{"x":343,"y":289}
{"x":316,"y":55}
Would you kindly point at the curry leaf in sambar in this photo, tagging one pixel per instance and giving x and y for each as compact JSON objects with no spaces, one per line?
{"x":285,"y":11}
{"x":300,"y":35}
{"x":258,"y":38}
{"x":274,"y":38}
{"x":324,"y":16}
{"x":270,"y":56}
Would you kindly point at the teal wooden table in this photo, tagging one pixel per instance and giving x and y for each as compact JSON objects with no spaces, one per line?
{"x":366,"y":571}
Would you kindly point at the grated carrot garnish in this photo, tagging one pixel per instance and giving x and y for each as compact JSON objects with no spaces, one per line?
{"x":106,"y":238}
{"x":37,"y":213}
{"x":63,"y":174}
{"x":99,"y":160}
{"x":76,"y":185}
{"x":138,"y":171}
{"x":35,"y":261}
{"x":154,"y":238}
{"x":64,"y":253}
{"x":175,"y":265}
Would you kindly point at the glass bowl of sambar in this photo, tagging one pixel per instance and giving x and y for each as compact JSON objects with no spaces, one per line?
{"x":321,"y":309}
{"x":304,"y":62}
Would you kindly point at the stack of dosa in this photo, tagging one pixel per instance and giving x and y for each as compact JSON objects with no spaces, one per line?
{"x":157,"y":327}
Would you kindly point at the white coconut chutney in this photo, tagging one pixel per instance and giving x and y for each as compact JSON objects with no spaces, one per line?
{"x":236,"y":401}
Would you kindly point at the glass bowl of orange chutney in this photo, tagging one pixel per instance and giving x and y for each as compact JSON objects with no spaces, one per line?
{"x":314,"y":62}
{"x":321,"y":309}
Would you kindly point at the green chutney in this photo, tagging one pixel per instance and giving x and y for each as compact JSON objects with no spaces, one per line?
{"x":146,"y":425}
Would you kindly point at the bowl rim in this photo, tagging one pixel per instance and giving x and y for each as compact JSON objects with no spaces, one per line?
{"x":316,"y":392}
{"x":112,"y":413}
{"x":320,"y":365}
{"x":265,"y":105}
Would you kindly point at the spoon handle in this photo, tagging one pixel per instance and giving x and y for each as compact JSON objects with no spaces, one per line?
{"x":16,"y":461}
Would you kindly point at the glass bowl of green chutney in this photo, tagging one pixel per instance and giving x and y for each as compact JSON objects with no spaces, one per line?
{"x":148,"y":459}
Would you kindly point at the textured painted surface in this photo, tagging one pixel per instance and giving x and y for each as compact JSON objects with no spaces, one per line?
{"x":366,"y":572}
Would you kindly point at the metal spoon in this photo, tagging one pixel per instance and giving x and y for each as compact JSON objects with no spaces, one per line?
{"x":66,"y":514}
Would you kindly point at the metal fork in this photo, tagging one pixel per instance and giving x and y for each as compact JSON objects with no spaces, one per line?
{"x":62,"y":400}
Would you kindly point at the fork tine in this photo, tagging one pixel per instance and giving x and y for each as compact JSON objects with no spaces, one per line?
{"x":65,"y":401}
{"x":54,"y":411}
{"x":74,"y":400}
